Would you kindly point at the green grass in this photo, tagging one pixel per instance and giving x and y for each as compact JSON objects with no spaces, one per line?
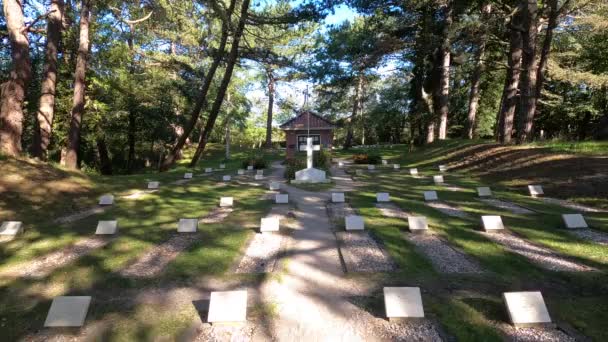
{"x":578,"y":147}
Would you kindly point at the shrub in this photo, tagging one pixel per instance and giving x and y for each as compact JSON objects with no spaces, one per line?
{"x":321,"y":160}
{"x":258,"y":162}
{"x":364,"y":158}
{"x":292,"y":165}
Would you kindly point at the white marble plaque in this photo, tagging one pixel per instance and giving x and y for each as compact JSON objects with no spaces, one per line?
{"x":414,"y":172}
{"x":492,"y":223}
{"x":340,"y":164}
{"x":371,"y":167}
{"x":226,"y":178}
{"x":106,"y":200}
{"x":106,"y":227}
{"x":228,"y":307}
{"x":438,"y":179}
{"x":259,"y":172}
{"x":526,"y":308}
{"x":382,"y":197}
{"x":188,"y":175}
{"x":337,"y":197}
{"x":226,"y":201}
{"x":396,"y":166}
{"x":269,"y":224}
{"x":208,"y":170}
{"x":11,"y":228}
{"x":187,"y":225}
{"x":417,"y":223}
{"x":384,"y":162}
{"x":68,"y":311}
{"x":430,"y":196}
{"x":354,"y":222}
{"x":240,"y":172}
{"x":484,"y":191}
{"x":153,"y":185}
{"x":250,"y":167}
{"x":281,"y":198}
{"x":274,"y":186}
{"x":222,"y":166}
{"x":536,"y":190}
{"x":574,"y":221}
{"x":443,"y":168}
{"x":403,"y":302}
{"x":258,"y":177}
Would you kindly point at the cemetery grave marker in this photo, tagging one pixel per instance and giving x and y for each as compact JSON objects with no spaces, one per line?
{"x":208,"y":170}
{"x":222,"y":166}
{"x":68,"y":311}
{"x":11,"y":228}
{"x":258,"y":177}
{"x":414,"y":172}
{"x":226,"y":202}
{"x":574,"y":221}
{"x":240,"y":172}
{"x":337,"y":197}
{"x":153,"y":185}
{"x":443,"y":168}
{"x":417,"y":224}
{"x":275,"y":186}
{"x":188,"y":175}
{"x":354,"y":222}
{"x":384,"y":162}
{"x":359,"y":172}
{"x":281,"y":198}
{"x":226,"y":178}
{"x":260,"y":172}
{"x":431,"y":196}
{"x":526,"y":308}
{"x":484,"y":191}
{"x":250,"y":167}
{"x":106,"y":200}
{"x":403,"y":302}
{"x":382,"y":197}
{"x":396,"y":166}
{"x":106,"y":227}
{"x":187,"y":226}
{"x":269,"y":224}
{"x":228,"y":307}
{"x":492,"y":223}
{"x":340,"y":164}
{"x":371,"y":167}
{"x":535,"y":190}
{"x":438,"y":179}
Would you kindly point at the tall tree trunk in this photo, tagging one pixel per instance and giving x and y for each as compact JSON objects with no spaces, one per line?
{"x":271,"y":81}
{"x":350,"y":133}
{"x":13,"y":90}
{"x":227,"y":139}
{"x":105,"y":164}
{"x":131,"y":127}
{"x":509,"y":103}
{"x":529,"y":69}
{"x":201,"y":101}
{"x":71,"y":158}
{"x":46,"y":107}
{"x":232,"y":58}
{"x":477,"y":72}
{"x":443,"y":90}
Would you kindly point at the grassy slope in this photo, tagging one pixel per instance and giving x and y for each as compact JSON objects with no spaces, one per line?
{"x":470,"y":306}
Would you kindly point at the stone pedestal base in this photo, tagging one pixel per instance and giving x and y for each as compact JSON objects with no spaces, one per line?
{"x":310,"y":175}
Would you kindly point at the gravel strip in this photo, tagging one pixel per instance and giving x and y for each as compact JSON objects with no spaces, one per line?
{"x":570,"y":205}
{"x":536,"y":334}
{"x":262,"y":254}
{"x":444,"y":257}
{"x":362,"y":253}
{"x":392,"y":210}
{"x":591,"y":235}
{"x":541,"y":256}
{"x":337,"y":211}
{"x":81,"y":214}
{"x":447,"y":209}
{"x":418,"y":330}
{"x":511,"y":207}
{"x":45,"y":265}
{"x":154,"y":261}
{"x":218,"y":214}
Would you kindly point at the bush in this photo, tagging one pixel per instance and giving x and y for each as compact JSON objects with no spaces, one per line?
{"x":364,"y":158}
{"x":292,"y":165}
{"x":258,"y":162}
{"x":321,"y":160}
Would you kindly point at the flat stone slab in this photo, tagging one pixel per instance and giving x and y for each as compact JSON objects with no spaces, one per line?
{"x":337,"y":197}
{"x":106,"y":200}
{"x":535,"y":190}
{"x":574,"y":221}
{"x":447,"y":209}
{"x":222,"y":166}
{"x":226,"y":202}
{"x":226,"y":178}
{"x":188,"y":175}
{"x":444,"y":257}
{"x":438,"y":179}
{"x":384,"y":162}
{"x":443,"y":168}
{"x":262,"y":254}
{"x":417,"y":224}
{"x":431,"y":196}
{"x":259,"y":172}
{"x":396,"y":166}
{"x":310,"y":175}
{"x":414,"y":172}
{"x":250,"y":167}
{"x":269,"y":224}
{"x":258,"y":177}
{"x":11,"y":228}
{"x":106,"y":227}
{"x":403,"y":302}
{"x":228,"y":307}
{"x":153,"y":185}
{"x":274,"y":186}
{"x":492,"y":223}
{"x":240,"y":172}
{"x":362,"y":253}
{"x":281,"y":198}
{"x":68,"y":311}
{"x":382,"y":197}
{"x":208,"y":170}
{"x":187,"y":225}
{"x":371,"y":167}
{"x":484,"y":191}
{"x":354,"y":222}
{"x":511,"y":207}
{"x":526,"y":308}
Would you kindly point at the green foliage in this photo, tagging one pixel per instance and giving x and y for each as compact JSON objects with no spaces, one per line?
{"x":292,"y":165}
{"x":321,"y":160}
{"x":258,"y":162}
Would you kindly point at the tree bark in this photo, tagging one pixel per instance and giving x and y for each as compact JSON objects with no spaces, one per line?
{"x":46,"y":107}
{"x":71,"y":158}
{"x":13,"y":90}
{"x":105,"y":164}
{"x":509,"y":103}
{"x":201,"y":102}
{"x":350,"y":133}
{"x":232,"y":58}
{"x":131,"y":127}
{"x":529,"y":69}
{"x":271,"y":84}
{"x":477,"y":72}
{"x":443,"y":91}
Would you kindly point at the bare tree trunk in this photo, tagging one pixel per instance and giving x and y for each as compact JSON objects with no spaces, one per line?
{"x":350,"y":133}
{"x":201,"y":102}
{"x":13,"y":90}
{"x":105,"y":165}
{"x":529,"y":69}
{"x":46,"y":107}
{"x":227,"y":139}
{"x":131,"y":128}
{"x":271,"y":81}
{"x":232,"y":58}
{"x":476,"y":77}
{"x":71,"y":158}
{"x":444,"y":75}
{"x":505,"y":130}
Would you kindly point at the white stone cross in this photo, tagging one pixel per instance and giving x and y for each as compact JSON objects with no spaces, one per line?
{"x":308,"y":152}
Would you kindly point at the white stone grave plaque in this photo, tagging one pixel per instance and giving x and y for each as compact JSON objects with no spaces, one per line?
{"x":269,"y":224}
{"x":526,"y":308}
{"x":340,"y":164}
{"x":492,"y":223}
{"x":371,"y":167}
{"x":106,"y":227}
{"x":226,"y":178}
{"x":354,"y":222}
{"x":68,"y":311}
{"x":396,"y":166}
{"x":228,"y":307}
{"x":431,"y":196}
{"x":359,"y":172}
{"x":250,"y":167}
{"x":403,"y":302}
{"x":153,"y":185}
{"x":574,"y":221}
{"x":106,"y":200}
{"x":438,"y":179}
{"x":382,"y":197}
{"x":259,"y":172}
{"x":281,"y":198}
{"x":240,"y":172}
{"x":337,"y":197}
{"x":536,"y":190}
{"x":443,"y":168}
{"x":222,"y":166}
{"x":384,"y":162}
{"x":417,"y":224}
{"x":208,"y":170}
{"x":187,"y":226}
{"x":414,"y":172}
{"x":188,"y":175}
{"x":11,"y":228}
{"x":484,"y":191}
{"x":258,"y":177}
{"x":275,"y":186}
{"x":226,"y":201}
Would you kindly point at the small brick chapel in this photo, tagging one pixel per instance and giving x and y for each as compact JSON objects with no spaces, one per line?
{"x":307,"y":123}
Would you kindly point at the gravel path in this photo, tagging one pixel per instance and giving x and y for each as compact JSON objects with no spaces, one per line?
{"x":445,"y":258}
{"x":511,"y":207}
{"x":81,"y":214}
{"x":591,"y":235}
{"x":570,"y":205}
{"x":541,"y":256}
{"x":536,"y":334}
{"x":447,"y":209}
{"x":217,"y":214}
{"x":262,"y":254}
{"x":361,"y":253}
{"x":42,"y":266}
{"x":392,"y":210}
